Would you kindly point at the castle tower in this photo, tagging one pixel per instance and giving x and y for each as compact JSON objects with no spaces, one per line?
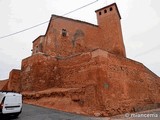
{"x":109,"y":22}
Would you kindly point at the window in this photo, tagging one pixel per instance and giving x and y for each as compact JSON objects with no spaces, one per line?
{"x":64,"y":32}
{"x":40,"y":47}
{"x":111,"y":9}
{"x":105,"y":11}
{"x":100,"y":13}
{"x":36,"y":50}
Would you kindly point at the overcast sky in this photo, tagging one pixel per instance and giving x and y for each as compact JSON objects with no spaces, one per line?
{"x":140,"y":25}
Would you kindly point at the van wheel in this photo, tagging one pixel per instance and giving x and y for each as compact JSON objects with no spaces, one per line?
{"x":16,"y":115}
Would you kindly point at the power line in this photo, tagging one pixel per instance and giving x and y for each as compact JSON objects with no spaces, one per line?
{"x":23,"y":30}
{"x":5,"y":36}
{"x":80,"y":8}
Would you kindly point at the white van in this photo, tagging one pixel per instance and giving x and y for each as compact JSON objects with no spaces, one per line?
{"x":10,"y":103}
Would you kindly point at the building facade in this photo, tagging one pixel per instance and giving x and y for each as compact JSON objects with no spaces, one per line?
{"x":66,"y":36}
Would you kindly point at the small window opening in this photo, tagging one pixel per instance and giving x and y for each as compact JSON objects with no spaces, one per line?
{"x":64,"y":32}
{"x":105,"y":11}
{"x":100,"y":13}
{"x":111,"y":9}
{"x":36,"y":50}
{"x":40,"y":47}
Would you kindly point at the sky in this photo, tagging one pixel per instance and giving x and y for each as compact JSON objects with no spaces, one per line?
{"x":140,"y":26}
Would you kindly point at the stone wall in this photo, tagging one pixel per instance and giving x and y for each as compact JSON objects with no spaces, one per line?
{"x":126,"y":85}
{"x":89,"y":59}
{"x":66,"y":36}
{"x":119,"y":84}
{"x":14,"y":83}
{"x":110,"y":84}
{"x":3,"y":84}
{"x":38,"y":73}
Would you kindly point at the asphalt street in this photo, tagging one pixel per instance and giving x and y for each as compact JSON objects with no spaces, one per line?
{"x":30,"y":112}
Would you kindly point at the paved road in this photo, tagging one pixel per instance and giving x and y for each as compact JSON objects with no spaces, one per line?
{"x":31,"y":112}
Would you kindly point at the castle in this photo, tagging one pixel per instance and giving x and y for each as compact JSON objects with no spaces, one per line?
{"x":65,"y":36}
{"x":86,"y":65}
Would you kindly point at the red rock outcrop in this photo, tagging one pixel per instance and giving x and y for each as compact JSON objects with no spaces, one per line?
{"x":84,"y":67}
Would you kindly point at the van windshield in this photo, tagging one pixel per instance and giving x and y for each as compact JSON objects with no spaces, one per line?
{"x":13,"y":99}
